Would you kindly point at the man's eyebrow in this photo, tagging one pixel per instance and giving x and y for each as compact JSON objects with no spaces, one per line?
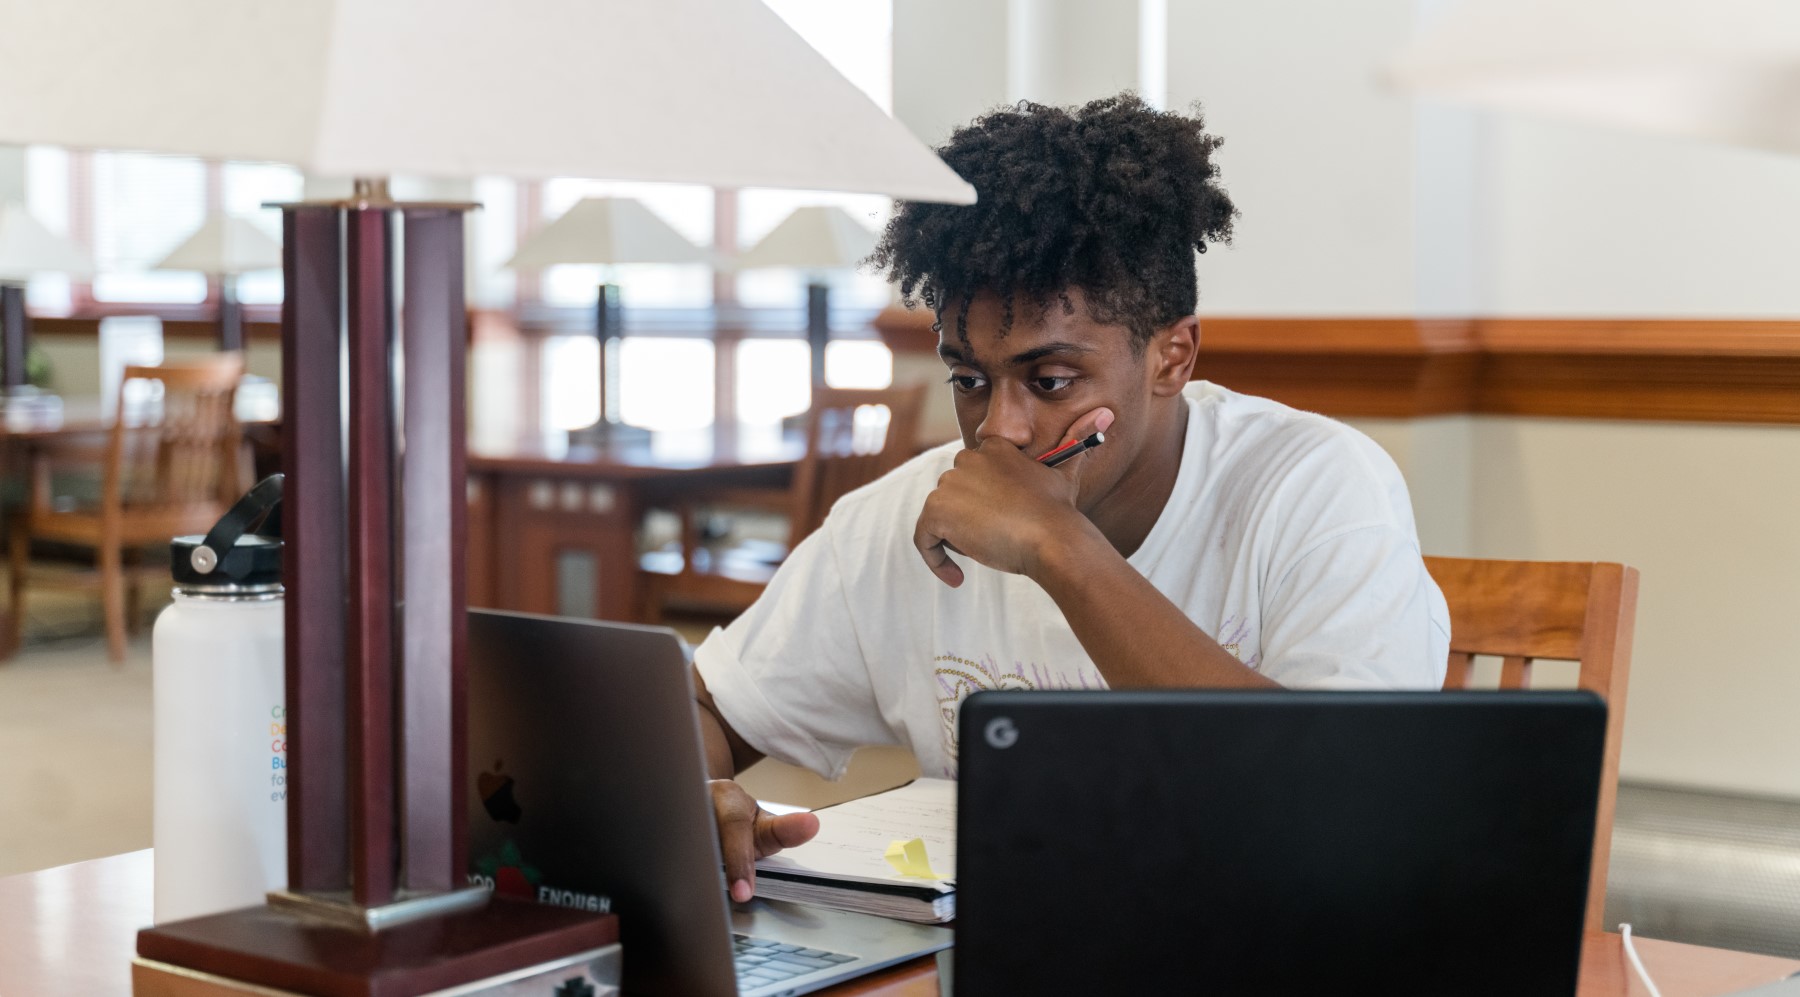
{"x":951,"y":354}
{"x":1048,"y":349}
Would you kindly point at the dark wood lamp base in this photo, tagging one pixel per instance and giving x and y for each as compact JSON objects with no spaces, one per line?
{"x":274,"y":949}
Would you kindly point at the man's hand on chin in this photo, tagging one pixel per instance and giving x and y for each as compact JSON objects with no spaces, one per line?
{"x":999,"y":506}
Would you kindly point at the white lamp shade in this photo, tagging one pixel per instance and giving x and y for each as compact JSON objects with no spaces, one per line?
{"x":817,"y":237}
{"x":1726,"y":70}
{"x":224,"y":244}
{"x":606,"y":230}
{"x":27,"y":248}
{"x":718,"y":92}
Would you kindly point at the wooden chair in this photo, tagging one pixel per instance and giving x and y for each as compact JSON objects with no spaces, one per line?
{"x":171,"y":466}
{"x":1521,"y":611}
{"x":847,"y":446}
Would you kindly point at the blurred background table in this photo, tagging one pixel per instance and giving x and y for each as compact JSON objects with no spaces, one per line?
{"x":553,"y":528}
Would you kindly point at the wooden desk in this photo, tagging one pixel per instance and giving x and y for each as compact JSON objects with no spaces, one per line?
{"x":541,"y":515}
{"x":73,"y":930}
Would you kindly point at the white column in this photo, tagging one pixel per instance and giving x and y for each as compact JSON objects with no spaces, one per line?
{"x":1071,"y":51}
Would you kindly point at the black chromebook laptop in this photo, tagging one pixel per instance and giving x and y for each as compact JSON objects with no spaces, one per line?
{"x":1275,"y":843}
{"x":587,"y":790}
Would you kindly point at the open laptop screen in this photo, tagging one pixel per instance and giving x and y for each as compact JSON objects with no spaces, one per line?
{"x":1280,"y":842}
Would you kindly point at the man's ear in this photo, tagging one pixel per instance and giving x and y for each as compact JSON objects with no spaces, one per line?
{"x":1172,"y":351}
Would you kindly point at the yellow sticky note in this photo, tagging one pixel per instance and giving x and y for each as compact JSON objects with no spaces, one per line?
{"x":908,"y":858}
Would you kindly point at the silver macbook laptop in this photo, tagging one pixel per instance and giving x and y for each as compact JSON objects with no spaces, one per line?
{"x":588,"y":790}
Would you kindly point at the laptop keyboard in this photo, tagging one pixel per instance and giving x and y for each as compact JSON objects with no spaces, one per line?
{"x":761,"y":962}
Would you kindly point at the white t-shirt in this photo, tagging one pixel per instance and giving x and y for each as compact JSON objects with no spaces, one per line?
{"x":1288,"y":538}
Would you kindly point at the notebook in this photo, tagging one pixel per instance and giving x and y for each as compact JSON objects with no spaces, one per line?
{"x":892,"y":854}
{"x":1281,"y":842}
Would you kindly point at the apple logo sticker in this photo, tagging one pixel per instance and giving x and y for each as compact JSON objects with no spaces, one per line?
{"x":497,"y":795}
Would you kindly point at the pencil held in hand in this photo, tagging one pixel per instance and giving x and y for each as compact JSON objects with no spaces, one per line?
{"x":1070,"y":449}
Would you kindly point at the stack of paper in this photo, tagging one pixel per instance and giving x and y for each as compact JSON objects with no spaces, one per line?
{"x":848,"y":865}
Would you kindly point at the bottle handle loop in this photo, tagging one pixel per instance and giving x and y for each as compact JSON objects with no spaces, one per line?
{"x":250,"y":510}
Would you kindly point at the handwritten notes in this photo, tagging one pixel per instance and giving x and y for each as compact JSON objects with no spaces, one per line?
{"x":854,"y":839}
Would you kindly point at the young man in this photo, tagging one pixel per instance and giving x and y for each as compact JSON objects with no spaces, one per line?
{"x":1214,"y":540}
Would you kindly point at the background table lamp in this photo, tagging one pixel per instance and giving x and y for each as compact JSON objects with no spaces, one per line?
{"x":724,"y":94}
{"x":27,"y":248}
{"x":606,"y":231}
{"x":816,"y":238}
{"x":223,"y":247}
{"x":1724,"y":70}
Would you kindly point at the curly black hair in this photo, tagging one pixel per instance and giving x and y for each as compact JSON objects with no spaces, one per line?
{"x":1113,"y":197}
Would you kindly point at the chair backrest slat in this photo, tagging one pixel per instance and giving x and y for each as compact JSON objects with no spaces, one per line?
{"x":1515,"y":672}
{"x":1565,"y":611}
{"x":853,"y":436}
{"x":176,"y":444}
{"x":1460,"y":670}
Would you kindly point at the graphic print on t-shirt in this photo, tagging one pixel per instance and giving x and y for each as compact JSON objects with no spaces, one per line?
{"x":1233,"y":634}
{"x":959,"y":677}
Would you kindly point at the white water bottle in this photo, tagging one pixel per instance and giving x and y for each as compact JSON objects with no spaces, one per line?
{"x":220,"y":796}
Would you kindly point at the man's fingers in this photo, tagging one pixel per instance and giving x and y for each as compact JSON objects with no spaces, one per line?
{"x":775,"y":832}
{"x":936,"y":551}
{"x":941,"y":565}
{"x":747,"y":832}
{"x":1095,"y":421}
{"x":736,"y":812}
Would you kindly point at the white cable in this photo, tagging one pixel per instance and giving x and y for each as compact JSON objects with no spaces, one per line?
{"x":1636,"y":963}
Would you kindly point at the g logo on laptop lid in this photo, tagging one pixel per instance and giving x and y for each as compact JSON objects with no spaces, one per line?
{"x":1001,"y":733}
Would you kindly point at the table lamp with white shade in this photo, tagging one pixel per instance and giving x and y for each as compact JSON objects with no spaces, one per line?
{"x":606,"y":231}
{"x":721,"y":93}
{"x":27,"y":248}
{"x":225,"y":246}
{"x":816,"y":239}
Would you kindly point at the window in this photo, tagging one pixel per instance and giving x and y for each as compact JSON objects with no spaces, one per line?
{"x":47,"y":197}
{"x":774,"y":381}
{"x":858,"y":363}
{"x":681,"y":398}
{"x":493,"y":235}
{"x":571,"y":374}
{"x":130,"y":209}
{"x":143,"y":206}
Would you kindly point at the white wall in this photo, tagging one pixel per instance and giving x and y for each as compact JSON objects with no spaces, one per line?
{"x":1582,"y":220}
{"x":1706,"y":513}
{"x":1437,"y":456}
{"x":949,"y":63}
{"x":1319,"y":163}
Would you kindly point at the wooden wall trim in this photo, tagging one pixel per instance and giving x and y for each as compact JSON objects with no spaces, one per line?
{"x":1685,"y":370}
{"x":255,"y":330}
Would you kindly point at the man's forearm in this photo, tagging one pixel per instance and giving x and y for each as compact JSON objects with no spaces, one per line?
{"x":719,"y":764}
{"x":727,"y":754}
{"x":1136,"y":636}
